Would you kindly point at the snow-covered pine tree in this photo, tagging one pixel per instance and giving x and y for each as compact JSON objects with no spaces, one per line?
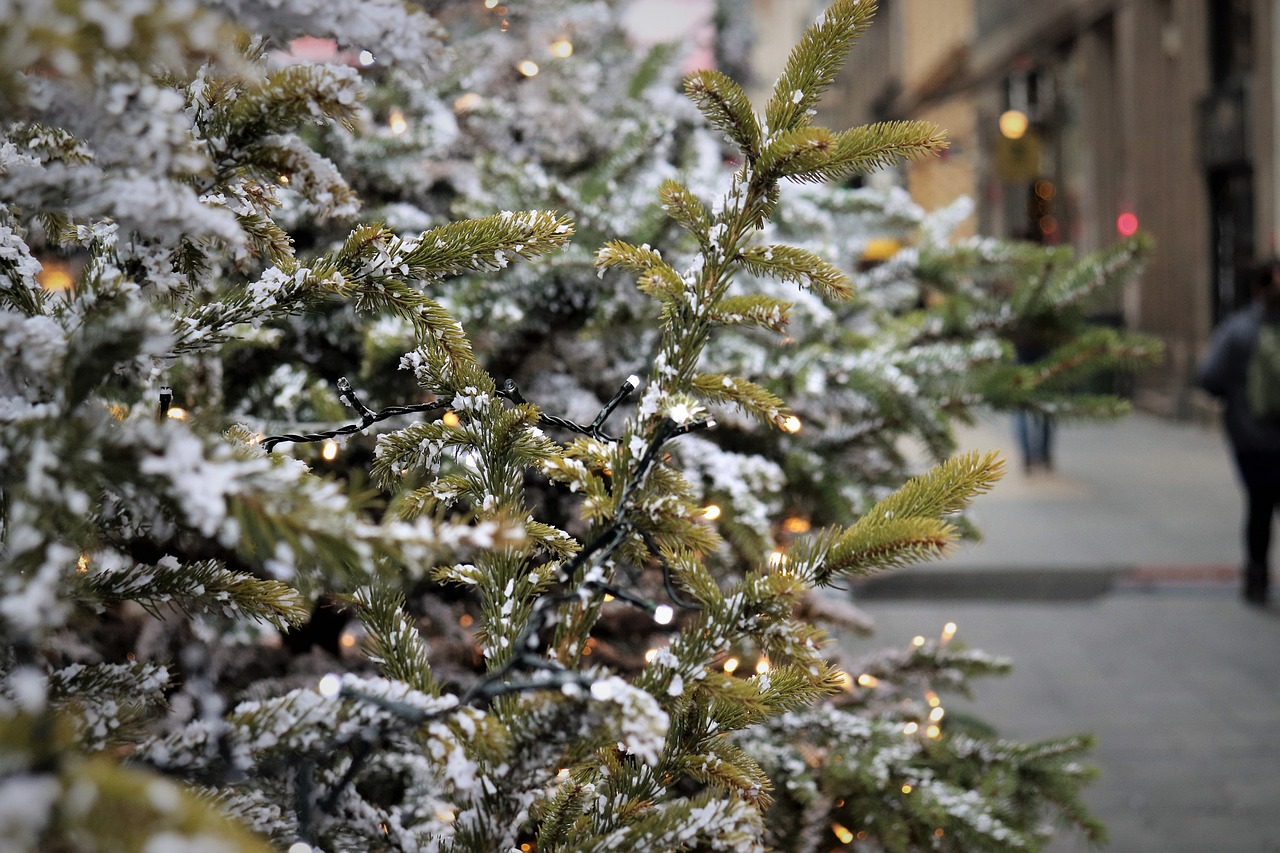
{"x":158,"y":193}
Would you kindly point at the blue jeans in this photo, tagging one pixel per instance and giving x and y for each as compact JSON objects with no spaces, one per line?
{"x":1035,"y":437}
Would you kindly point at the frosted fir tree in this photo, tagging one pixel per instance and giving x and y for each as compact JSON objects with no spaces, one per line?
{"x":149,"y":560}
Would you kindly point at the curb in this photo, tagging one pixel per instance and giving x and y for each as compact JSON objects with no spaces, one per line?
{"x":1073,"y":583}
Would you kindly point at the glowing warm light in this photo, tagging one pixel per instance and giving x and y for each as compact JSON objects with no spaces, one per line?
{"x":563,"y":774}
{"x":934,"y":701}
{"x":526,"y":848}
{"x":1047,"y":224}
{"x":466,"y":620}
{"x":663,"y":614}
{"x":347,"y":640}
{"x":54,"y":277}
{"x":300,"y":847}
{"x":330,"y":686}
{"x":1046,"y":190}
{"x":917,"y":641}
{"x":489,"y":4}
{"x":711,"y":512}
{"x":846,"y":680}
{"x":650,"y":656}
{"x":504,"y":26}
{"x":1013,"y":124}
{"x":937,"y":713}
{"x":910,"y":728}
{"x":948,"y":631}
{"x":397,"y":122}
{"x":366,"y":58}
{"x":468,"y":102}
{"x":602,"y":691}
{"x":82,"y":564}
{"x":731,"y":665}
{"x":868,"y":680}
{"x":177,"y":413}
{"x":791,"y":424}
{"x":939,"y":832}
{"x":762,"y":666}
{"x":933,"y":732}
{"x":446,"y":815}
{"x":329,"y":450}
{"x":795,"y":524}
{"x":607,"y":598}
{"x":562,"y":48}
{"x":1127,"y":224}
{"x":775,"y":559}
{"x":450,"y":419}
{"x":843,"y":834}
{"x":906,"y":788}
{"x":528,"y":68}
{"x":284,"y":180}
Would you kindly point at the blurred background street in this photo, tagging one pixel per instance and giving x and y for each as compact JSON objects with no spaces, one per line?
{"x":1113,"y":584}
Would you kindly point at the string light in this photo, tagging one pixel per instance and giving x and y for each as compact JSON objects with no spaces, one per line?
{"x":328,"y":450}
{"x":932,"y":698}
{"x":842,"y":833}
{"x":55,"y":276}
{"x":397,"y":122}
{"x":796,"y":524}
{"x":177,"y":413}
{"x":284,"y":180}
{"x":450,"y":419}
{"x":466,"y":620}
{"x":917,"y":641}
{"x":906,"y":788}
{"x":762,"y":666}
{"x":528,"y":68}
{"x":446,"y":815}
{"x":602,"y":691}
{"x":933,"y":732}
{"x":650,"y":656}
{"x":775,"y":559}
{"x":790,"y":424}
{"x":562,"y":48}
{"x":489,"y":4}
{"x":868,"y":680}
{"x":948,"y":631}
{"x":366,"y":58}
{"x":911,"y":728}
{"x":711,"y":512}
{"x":663,"y":614}
{"x":82,"y":564}
{"x":330,"y":686}
{"x":347,"y":640}
{"x":300,"y":847}
{"x":846,"y":680}
{"x":937,"y":713}
{"x":467,"y":102}
{"x":731,"y":665}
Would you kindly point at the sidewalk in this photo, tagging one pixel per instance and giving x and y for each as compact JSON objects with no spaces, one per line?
{"x":1113,"y":584}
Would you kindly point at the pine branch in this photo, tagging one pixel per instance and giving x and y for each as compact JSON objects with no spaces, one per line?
{"x":814,"y":63}
{"x":726,"y":106}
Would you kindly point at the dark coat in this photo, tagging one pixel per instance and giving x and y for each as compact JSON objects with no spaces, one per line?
{"x":1222,"y":373}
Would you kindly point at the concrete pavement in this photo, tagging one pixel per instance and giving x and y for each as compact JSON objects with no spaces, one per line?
{"x":1113,"y":584}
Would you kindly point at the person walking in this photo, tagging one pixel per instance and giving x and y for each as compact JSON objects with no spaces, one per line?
{"x":1254,"y":439}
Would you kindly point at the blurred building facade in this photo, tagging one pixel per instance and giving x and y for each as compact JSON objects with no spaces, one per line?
{"x":1159,"y":114}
